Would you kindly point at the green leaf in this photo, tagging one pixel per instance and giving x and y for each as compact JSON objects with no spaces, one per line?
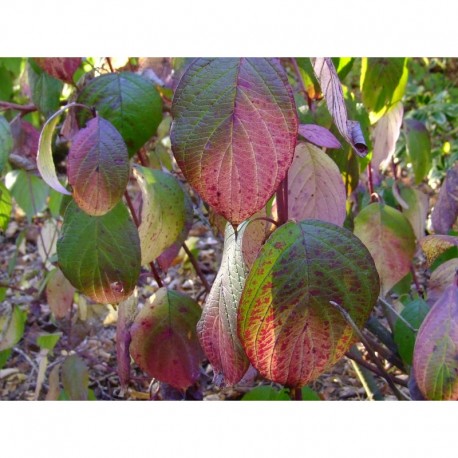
{"x":435,"y":359}
{"x":12,"y":328}
{"x":5,"y":207}
{"x":6,"y":142}
{"x":343,"y":65}
{"x":266,"y":393}
{"x":383,"y":83}
{"x":310,"y":82}
{"x":164,"y":210}
{"x":414,"y":313}
{"x":289,"y":330}
{"x":48,"y":341}
{"x":217,"y":328}
{"x":6,"y":84}
{"x":4,"y":356}
{"x":29,"y":191}
{"x":100,"y":255}
{"x":164,"y":340}
{"x":309,"y":395}
{"x":234,"y":131}
{"x":417,"y":211}
{"x":315,"y":186}
{"x":75,"y":378}
{"x":45,"y":89}
{"x":130,"y":102}
{"x":389,"y":237}
{"x":98,"y":167}
{"x":419,"y":148}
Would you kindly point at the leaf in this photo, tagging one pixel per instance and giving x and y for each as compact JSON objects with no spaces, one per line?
{"x":25,"y":138}
{"x":75,"y":378}
{"x":234,"y":132}
{"x":62,"y":68}
{"x":386,"y":134}
{"x":343,"y":65}
{"x":414,"y":313}
{"x":445,"y":211}
{"x":164,"y":340}
{"x":59,"y":293}
{"x":434,"y":245}
{"x":48,"y":341}
{"x":419,"y":148}
{"x":5,"y":207}
{"x":290,"y":332}
{"x":348,"y":166}
{"x":435,"y":360}
{"x":266,"y":393}
{"x":332,"y":90}
{"x":319,"y":136}
{"x":164,"y":211}
{"x":217,"y":327}
{"x":12,"y":328}
{"x":98,"y":167}
{"x":45,"y":162}
{"x":309,"y":395}
{"x":417,"y":211}
{"x":6,"y":142}
{"x":311,"y":84}
{"x":45,"y":89}
{"x":315,"y":187}
{"x":100,"y":255}
{"x":389,"y":237}
{"x":29,"y":191}
{"x":53,"y":382}
{"x":383,"y":83}
{"x":440,"y":279}
{"x":130,"y":102}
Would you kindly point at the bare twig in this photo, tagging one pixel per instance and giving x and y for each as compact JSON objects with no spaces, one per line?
{"x":395,"y":312}
{"x":24,"y":109}
{"x":196,"y":267}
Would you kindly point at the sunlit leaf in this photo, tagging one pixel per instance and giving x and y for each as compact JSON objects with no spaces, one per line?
{"x":414,"y":313}
{"x":217,"y":328}
{"x":75,"y":378}
{"x":130,"y":102}
{"x":289,"y":330}
{"x":164,"y":340}
{"x":434,"y":245}
{"x":319,"y":136}
{"x":332,"y":91}
{"x":108,"y":266}
{"x":98,"y":167}
{"x":45,"y":89}
{"x":417,"y":211}
{"x":234,"y":132}
{"x":383,"y":83}
{"x":12,"y":327}
{"x":163,"y":213}
{"x":5,"y":207}
{"x":48,"y":341}
{"x":441,"y":278}
{"x":389,"y":237}
{"x":435,"y":360}
{"x":266,"y":393}
{"x":62,"y":68}
{"x":445,"y":211}
{"x":6,"y":141}
{"x":59,"y":293}
{"x":315,"y":187}
{"x":419,"y":148}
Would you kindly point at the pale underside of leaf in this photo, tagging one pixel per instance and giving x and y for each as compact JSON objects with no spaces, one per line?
{"x":234,"y":132}
{"x":319,"y":136}
{"x":217,"y":328}
{"x":332,"y":89}
{"x":315,"y":187}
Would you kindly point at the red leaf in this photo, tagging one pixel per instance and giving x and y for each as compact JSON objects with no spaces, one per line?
{"x":234,"y":132}
{"x":164,"y":340}
{"x":62,"y":68}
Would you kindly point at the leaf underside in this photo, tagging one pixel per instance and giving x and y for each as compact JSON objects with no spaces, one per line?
{"x":234,"y":132}
{"x":290,"y":332}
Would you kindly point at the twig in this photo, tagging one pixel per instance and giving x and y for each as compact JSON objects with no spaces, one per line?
{"x":14,"y":106}
{"x":196,"y":267}
{"x":363,"y":339}
{"x":296,"y":394}
{"x":398,"y":315}
{"x":108,"y":59}
{"x":24,"y":355}
{"x":367,"y":380}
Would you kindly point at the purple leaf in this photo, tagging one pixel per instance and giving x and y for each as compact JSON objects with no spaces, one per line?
{"x":319,"y":136}
{"x":332,"y":90}
{"x":445,"y":212}
{"x":62,"y":68}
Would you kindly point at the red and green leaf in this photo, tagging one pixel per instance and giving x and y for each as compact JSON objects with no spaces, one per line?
{"x":164,"y":340}
{"x":62,"y":68}
{"x":435,"y":245}
{"x":98,"y":167}
{"x":217,"y":328}
{"x":390,"y":239}
{"x":435,"y":360}
{"x":290,"y":332}
{"x":234,"y":132}
{"x":315,"y":187}
{"x":100,"y":255}
{"x":130,"y":102}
